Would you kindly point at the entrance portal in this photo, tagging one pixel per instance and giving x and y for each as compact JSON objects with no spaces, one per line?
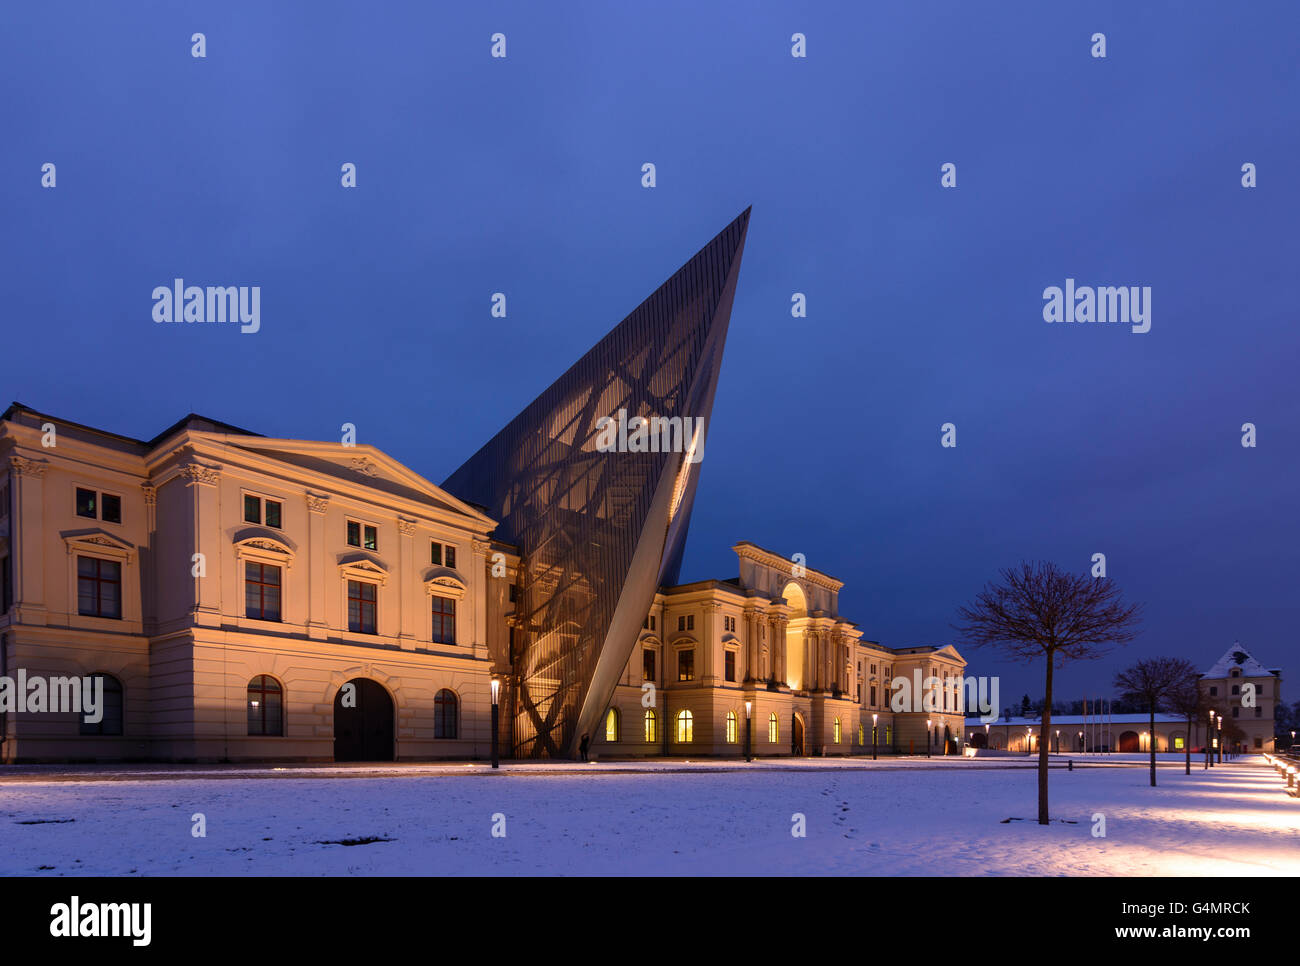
{"x":796,"y":746}
{"x":363,"y":722}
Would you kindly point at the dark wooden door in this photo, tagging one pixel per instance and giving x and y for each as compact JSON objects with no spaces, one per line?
{"x":363,"y":727}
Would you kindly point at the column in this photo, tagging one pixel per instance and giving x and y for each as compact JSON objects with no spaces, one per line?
{"x":26,"y":551}
{"x":317,"y":614}
{"x":408,"y":601}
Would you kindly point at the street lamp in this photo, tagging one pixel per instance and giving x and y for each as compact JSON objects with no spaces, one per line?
{"x":1029,"y":741}
{"x":496,"y":694}
{"x":986,"y":736}
{"x":1058,"y":741}
{"x":1081,"y":741}
{"x":749,"y":731}
{"x":873,"y":737}
{"x":929,"y":736}
{"x":1210,"y":742}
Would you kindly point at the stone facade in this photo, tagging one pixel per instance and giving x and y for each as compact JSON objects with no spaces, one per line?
{"x":771,"y":647}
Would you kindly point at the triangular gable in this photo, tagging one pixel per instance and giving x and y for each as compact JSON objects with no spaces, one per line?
{"x":363,"y":463}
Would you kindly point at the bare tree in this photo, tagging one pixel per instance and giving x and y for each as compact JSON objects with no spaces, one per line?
{"x":1188,"y":700}
{"x":1039,"y":611}
{"x":1152,"y":682}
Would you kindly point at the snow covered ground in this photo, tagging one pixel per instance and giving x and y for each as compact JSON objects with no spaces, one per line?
{"x":892,"y":817}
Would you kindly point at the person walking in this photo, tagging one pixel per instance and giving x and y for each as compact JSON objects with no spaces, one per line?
{"x":584,"y":745}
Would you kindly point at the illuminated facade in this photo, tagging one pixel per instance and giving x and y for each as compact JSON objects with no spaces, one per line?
{"x":769,"y":650}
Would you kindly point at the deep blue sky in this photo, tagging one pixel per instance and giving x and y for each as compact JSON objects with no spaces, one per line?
{"x":523,"y":176}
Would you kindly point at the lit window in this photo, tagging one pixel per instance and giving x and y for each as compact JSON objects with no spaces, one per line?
{"x":647,"y":664}
{"x":773,"y":728}
{"x":685,"y":726}
{"x":611,"y":725}
{"x":686,"y":664}
{"x":838,"y":736}
{"x":265,"y":706}
{"x":651,"y":726}
{"x":732,"y":728}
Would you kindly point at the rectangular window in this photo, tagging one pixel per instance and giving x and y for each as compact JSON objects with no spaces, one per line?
{"x":449,"y":557}
{"x":690,"y":622}
{"x":1214,"y":692}
{"x":1236,"y":689}
{"x":87,"y":503}
{"x":261,"y":591}
{"x":362,"y":535}
{"x":681,"y":623}
{"x":647,"y":664}
{"x":444,"y":620}
{"x":873,"y":696}
{"x":435,"y":556}
{"x":252,"y":509}
{"x":99,"y":588}
{"x":272,"y":514}
{"x":686,"y":665}
{"x":729,"y":665}
{"x":362,"y":598}
{"x":514,"y":593}
{"x":110,"y":508}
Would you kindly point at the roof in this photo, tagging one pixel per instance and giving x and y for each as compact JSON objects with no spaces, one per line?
{"x":1238,"y":657}
{"x":192,"y":421}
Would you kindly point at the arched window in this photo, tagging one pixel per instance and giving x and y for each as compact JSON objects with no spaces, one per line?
{"x":773,"y":728}
{"x":446,"y":708}
{"x":651,"y":726}
{"x":110,"y":721}
{"x":611,"y":725}
{"x":838,"y":735}
{"x":733,"y":733}
{"x":265,"y":706}
{"x":862,"y":734}
{"x":685,"y":726}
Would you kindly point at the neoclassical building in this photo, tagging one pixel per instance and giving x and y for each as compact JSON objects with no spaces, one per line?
{"x":244,"y":598}
{"x":1247,"y":692}
{"x":229,"y":588}
{"x":769,"y":650}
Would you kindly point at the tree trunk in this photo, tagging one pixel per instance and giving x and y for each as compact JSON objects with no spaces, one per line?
{"x":1153,"y":744}
{"x":1044,"y":745}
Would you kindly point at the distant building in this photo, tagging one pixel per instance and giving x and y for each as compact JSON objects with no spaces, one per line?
{"x":774,"y":640}
{"x":1245,"y":692}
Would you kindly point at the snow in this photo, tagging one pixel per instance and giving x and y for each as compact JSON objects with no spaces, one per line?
{"x":912,"y":816}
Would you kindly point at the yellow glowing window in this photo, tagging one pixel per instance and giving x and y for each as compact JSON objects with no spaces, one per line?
{"x":732,"y":729}
{"x":611,"y":725}
{"x":1178,"y":743}
{"x":685,"y":726}
{"x":773,"y":728}
{"x":838,"y":736}
{"x":651,"y":726}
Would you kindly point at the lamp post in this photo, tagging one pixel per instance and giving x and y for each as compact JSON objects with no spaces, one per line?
{"x":1029,"y":741}
{"x":496,"y":694}
{"x":986,"y":736}
{"x":929,"y":736}
{"x":1209,"y":728}
{"x":749,"y":731}
{"x":1211,"y":742}
{"x":1058,"y":741}
{"x":873,"y":737}
{"x":1081,"y":741}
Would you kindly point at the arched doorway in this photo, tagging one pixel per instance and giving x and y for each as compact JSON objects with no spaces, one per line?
{"x":796,"y":743}
{"x":363,"y":722}
{"x":978,"y":740}
{"x":795,"y":659}
{"x":1128,"y":741}
{"x":948,"y":749}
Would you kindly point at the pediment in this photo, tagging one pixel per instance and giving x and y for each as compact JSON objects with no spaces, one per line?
{"x":94,"y":538}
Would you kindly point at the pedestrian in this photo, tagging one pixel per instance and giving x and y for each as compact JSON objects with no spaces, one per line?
{"x":585,"y":744}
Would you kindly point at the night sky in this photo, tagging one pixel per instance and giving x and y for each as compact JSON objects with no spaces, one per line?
{"x":479,"y":175}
